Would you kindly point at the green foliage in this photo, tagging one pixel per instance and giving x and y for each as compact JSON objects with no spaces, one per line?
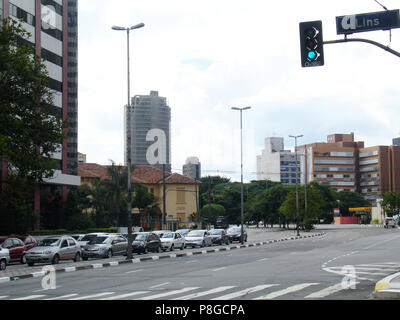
{"x":79,"y":221}
{"x":209,"y":213}
{"x":348,"y":199}
{"x":65,"y":231}
{"x":391,"y":203}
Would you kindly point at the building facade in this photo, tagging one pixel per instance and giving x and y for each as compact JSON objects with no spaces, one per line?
{"x":344,"y":164}
{"x":277,"y":164}
{"x":150,"y":131}
{"x":53,"y":26}
{"x":192,"y":168}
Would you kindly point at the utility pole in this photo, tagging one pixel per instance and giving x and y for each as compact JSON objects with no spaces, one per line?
{"x":297,"y":191}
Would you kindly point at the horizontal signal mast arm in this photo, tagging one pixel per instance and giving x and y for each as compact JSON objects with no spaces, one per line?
{"x":386,"y":48}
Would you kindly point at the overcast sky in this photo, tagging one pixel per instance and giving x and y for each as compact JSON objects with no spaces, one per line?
{"x":208,"y":56}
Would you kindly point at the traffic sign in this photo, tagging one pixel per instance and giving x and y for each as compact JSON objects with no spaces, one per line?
{"x":382,"y":20}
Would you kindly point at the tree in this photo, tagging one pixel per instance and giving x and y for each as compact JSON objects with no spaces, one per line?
{"x":209,"y":213}
{"x":329,"y":196}
{"x":30,"y":130}
{"x":349,"y":199}
{"x":391,"y":203}
{"x":118,"y":184}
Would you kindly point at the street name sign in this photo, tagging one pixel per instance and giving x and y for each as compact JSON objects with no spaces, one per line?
{"x":382,"y":20}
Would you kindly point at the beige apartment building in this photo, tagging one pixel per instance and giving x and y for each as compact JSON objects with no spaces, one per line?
{"x":345,"y":164}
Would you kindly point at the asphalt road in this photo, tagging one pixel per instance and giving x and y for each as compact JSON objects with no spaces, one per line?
{"x":344,"y":264}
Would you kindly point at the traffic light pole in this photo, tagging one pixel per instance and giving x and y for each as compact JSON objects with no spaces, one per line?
{"x":386,"y":48}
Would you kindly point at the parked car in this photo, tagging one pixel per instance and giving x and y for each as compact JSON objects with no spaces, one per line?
{"x":183,"y":232}
{"x":198,"y":238}
{"x":54,"y":249}
{"x":4,"y":258}
{"x":219,"y":236}
{"x":16,"y":249}
{"x":78,"y":237}
{"x":87,"y":237}
{"x":145,"y":242}
{"x":234,"y":234}
{"x":104,"y":247}
{"x":134,"y":234}
{"x":389,"y":222}
{"x":172,"y":240}
{"x":28,"y":241}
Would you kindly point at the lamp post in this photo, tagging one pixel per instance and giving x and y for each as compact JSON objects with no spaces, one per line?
{"x":129,"y":138}
{"x":241,"y":170}
{"x":297,"y":191}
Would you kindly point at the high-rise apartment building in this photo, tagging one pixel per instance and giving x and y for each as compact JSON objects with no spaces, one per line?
{"x":344,"y":164}
{"x":277,"y":164}
{"x":192,"y":168}
{"x":53,"y":25}
{"x":150,"y":127}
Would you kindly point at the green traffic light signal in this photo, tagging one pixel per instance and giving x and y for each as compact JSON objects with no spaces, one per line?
{"x":311,"y":44}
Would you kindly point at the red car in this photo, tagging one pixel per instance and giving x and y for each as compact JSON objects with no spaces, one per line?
{"x":28,"y":241}
{"x":16,"y":248}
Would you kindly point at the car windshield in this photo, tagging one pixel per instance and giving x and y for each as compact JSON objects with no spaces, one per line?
{"x":1,"y":241}
{"x":183,"y":231}
{"x":98,"y":240}
{"x":233,"y":230}
{"x":88,"y":237}
{"x":215,"y":232}
{"x":76,"y":237}
{"x":140,"y":237}
{"x":50,"y":242}
{"x":195,"y":234}
{"x":168,"y":235}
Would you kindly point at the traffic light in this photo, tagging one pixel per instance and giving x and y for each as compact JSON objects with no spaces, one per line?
{"x":311,"y":44}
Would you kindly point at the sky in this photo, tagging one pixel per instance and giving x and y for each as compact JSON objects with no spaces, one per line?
{"x":208,"y":56}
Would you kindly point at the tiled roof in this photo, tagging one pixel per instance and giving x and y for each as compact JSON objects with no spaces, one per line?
{"x":141,"y":174}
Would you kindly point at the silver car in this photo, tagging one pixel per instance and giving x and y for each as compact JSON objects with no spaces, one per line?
{"x":90,"y":236}
{"x":198,"y":238}
{"x":4,"y":258}
{"x":105,"y":246}
{"x":172,"y":240}
{"x":54,"y":249}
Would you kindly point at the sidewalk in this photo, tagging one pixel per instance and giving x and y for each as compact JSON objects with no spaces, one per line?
{"x":388,"y":288}
{"x":256,"y":237}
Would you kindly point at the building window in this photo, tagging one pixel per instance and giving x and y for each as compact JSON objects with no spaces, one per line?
{"x":180,"y":195}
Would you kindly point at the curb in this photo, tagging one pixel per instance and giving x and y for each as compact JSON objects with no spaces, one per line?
{"x":152,"y":258}
{"x":386,"y":289}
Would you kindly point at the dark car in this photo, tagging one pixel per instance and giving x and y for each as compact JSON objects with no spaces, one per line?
{"x":145,"y":242}
{"x":28,"y":241}
{"x":235,"y":233}
{"x":104,"y":247}
{"x":219,"y":236}
{"x":16,"y":249}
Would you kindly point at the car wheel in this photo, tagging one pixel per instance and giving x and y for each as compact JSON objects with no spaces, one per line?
{"x":31,"y":264}
{"x":183,"y":246}
{"x":109,"y":254}
{"x":23,"y":259}
{"x":77,"y":257}
{"x":84,"y":258}
{"x":56,"y":259}
{"x":159,"y":249}
{"x":203,"y":244}
{"x":172,"y":248}
{"x":145,"y":250}
{"x":3,"y":265}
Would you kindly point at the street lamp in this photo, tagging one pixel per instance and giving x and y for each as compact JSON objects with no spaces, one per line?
{"x":297,"y":191}
{"x":129,"y":138}
{"x":241,"y":169}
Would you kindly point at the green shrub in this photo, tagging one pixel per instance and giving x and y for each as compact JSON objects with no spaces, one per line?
{"x":80,"y":222}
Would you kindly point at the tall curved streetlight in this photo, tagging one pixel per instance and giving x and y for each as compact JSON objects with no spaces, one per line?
{"x":241,"y":169}
{"x":129,"y":138}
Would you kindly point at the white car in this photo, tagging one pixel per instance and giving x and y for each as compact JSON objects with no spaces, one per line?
{"x":198,"y":238}
{"x":4,"y":258}
{"x":90,"y":236}
{"x":172,"y":240}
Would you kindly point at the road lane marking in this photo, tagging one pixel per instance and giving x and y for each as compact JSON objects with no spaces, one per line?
{"x":126,"y":295}
{"x":63,"y":297}
{"x":30,"y":297}
{"x":134,"y":271}
{"x":159,"y":285}
{"x":328,"y":291}
{"x":3,"y":297}
{"x":93,"y":296}
{"x":219,"y":269}
{"x":291,"y":289}
{"x":191,"y":261}
{"x":204,"y":293}
{"x":244,"y":292}
{"x":263,"y":259}
{"x":169,"y":293}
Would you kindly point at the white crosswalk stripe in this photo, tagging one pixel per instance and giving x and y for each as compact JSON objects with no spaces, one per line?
{"x":3,"y":297}
{"x":328,"y":291}
{"x":169,"y":293}
{"x":244,"y":292}
{"x":31,"y":297}
{"x":291,"y":289}
{"x":204,"y":293}
{"x":93,"y":296}
{"x":126,"y":295}
{"x":63,"y":297}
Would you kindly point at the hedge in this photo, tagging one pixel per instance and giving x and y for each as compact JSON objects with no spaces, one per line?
{"x":64,"y":231}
